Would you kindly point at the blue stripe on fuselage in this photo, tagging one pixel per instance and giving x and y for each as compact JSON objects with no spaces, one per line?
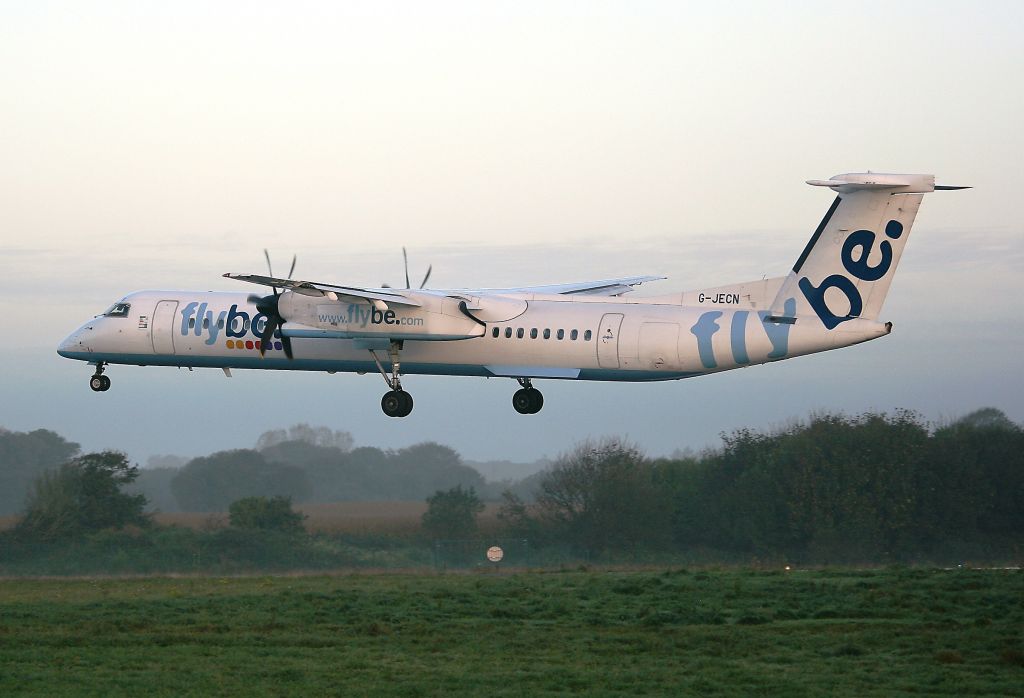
{"x":299,"y":364}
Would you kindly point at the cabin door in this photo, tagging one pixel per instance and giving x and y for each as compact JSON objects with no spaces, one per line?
{"x":163,"y":327}
{"x":608,"y":340}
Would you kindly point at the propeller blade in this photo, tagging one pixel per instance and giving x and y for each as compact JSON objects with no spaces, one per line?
{"x":270,"y":269}
{"x":268,"y":306}
{"x":405,"y":258}
{"x":427,"y":276}
{"x":267,"y":337}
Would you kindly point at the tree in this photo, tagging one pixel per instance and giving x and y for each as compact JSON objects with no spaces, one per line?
{"x":212,"y":482}
{"x":987,"y":417}
{"x":452,"y":513}
{"x":82,"y":496}
{"x":316,"y":436}
{"x":266,"y":513}
{"x":370,"y":474}
{"x":603,"y":495}
{"x":24,"y":456}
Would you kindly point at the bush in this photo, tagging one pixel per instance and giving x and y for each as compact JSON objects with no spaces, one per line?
{"x":268,"y":514}
{"x":452,"y":513}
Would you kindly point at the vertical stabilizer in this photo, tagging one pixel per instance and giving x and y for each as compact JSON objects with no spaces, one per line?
{"x":847,"y":266}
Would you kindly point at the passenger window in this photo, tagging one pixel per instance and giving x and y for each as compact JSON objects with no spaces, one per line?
{"x":191,"y":323}
{"x":519,"y":333}
{"x":587,"y":335}
{"x":220,"y":323}
{"x":533,"y":333}
{"x":494,"y":333}
{"x":547,"y":334}
{"x":508,"y":333}
{"x":574,"y":334}
{"x":206,"y":323}
{"x":561,"y":334}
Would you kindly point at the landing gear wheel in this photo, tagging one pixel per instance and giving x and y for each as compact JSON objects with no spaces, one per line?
{"x":406,"y":403}
{"x":527,"y":401}
{"x":537,"y":398}
{"x":100,"y":384}
{"x":396,"y":403}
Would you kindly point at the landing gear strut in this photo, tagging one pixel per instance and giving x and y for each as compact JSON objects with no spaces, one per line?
{"x":99,"y":383}
{"x":396,"y":402}
{"x":527,"y":400}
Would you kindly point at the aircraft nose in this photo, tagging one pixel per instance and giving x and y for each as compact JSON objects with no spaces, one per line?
{"x":75,"y":343}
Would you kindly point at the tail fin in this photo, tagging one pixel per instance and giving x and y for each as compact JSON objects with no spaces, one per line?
{"x":848,"y":264}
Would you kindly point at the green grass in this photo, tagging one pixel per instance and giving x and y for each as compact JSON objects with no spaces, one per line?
{"x":731,"y":632}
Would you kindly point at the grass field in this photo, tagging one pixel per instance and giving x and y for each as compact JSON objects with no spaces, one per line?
{"x":672,"y":632}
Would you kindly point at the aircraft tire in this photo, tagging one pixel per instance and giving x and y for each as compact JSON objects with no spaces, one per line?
{"x":99,"y":383}
{"x":523,"y":401}
{"x":406,"y":403}
{"x":396,"y":403}
{"x":536,"y":400}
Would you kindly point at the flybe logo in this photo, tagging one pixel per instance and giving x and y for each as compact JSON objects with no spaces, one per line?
{"x":198,"y":320}
{"x":854,"y":256}
{"x":363,"y":315}
{"x":707,"y":326}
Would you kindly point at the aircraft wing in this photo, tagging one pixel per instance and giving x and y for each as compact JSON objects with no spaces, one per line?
{"x":313,"y":288}
{"x":605,"y":287}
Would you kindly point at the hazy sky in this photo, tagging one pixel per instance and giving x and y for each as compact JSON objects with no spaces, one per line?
{"x":159,"y":145}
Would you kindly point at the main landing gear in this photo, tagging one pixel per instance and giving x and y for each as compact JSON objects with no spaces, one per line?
{"x":396,"y":402}
{"x":99,"y":383}
{"x":527,"y":400}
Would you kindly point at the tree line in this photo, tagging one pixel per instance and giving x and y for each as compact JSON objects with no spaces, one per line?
{"x":833,"y":489}
{"x":307,"y":464}
{"x":836,"y":489}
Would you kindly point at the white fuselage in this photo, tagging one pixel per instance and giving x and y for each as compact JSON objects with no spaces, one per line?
{"x":588,"y":338}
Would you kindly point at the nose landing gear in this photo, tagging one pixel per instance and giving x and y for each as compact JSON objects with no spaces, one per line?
{"x":99,"y":383}
{"x":527,"y":400}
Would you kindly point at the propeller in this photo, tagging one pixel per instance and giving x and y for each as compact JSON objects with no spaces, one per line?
{"x":405,"y":260}
{"x":268,"y":305}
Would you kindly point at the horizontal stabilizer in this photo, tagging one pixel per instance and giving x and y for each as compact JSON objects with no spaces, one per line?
{"x":873,"y":181}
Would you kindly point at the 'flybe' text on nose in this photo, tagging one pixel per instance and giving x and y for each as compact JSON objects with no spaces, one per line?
{"x":197,"y":319}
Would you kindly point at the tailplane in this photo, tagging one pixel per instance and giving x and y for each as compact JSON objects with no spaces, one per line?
{"x":847,"y":266}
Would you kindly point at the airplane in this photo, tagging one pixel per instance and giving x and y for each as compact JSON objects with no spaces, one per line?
{"x":831,"y":298}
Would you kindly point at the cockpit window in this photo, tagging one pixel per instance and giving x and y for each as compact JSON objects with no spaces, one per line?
{"x":118,"y":310}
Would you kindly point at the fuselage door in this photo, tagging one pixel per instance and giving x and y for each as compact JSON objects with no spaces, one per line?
{"x":608,"y":340}
{"x":163,"y":327}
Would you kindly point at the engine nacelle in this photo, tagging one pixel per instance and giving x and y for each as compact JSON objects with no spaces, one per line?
{"x":436,"y":319}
